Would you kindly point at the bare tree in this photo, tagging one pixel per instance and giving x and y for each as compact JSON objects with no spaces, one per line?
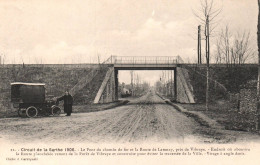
{"x":223,"y":45}
{"x":242,"y":48}
{"x":233,"y":50}
{"x":223,"y":52}
{"x":207,"y":15}
{"x":218,"y":54}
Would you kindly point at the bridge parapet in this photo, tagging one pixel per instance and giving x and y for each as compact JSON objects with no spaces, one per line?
{"x":144,"y":60}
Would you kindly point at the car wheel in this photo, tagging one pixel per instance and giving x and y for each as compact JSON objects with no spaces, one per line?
{"x":31,"y":111}
{"x":55,"y":110}
{"x":21,"y":112}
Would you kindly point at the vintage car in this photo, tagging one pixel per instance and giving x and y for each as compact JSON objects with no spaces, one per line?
{"x":30,"y":100}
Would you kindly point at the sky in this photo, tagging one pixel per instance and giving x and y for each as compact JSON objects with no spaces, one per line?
{"x":145,"y":76}
{"x":78,"y":31}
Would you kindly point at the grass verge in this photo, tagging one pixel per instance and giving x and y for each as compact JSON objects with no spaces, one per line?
{"x":226,"y":115}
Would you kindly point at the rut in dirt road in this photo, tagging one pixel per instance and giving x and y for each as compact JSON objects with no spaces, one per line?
{"x":149,"y":118}
{"x":143,"y":119}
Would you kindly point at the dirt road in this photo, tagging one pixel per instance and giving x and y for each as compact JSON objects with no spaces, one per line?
{"x":144,"y":119}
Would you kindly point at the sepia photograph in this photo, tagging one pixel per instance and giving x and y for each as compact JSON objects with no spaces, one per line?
{"x":129,"y":82}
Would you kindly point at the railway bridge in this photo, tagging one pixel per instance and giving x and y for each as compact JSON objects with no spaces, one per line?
{"x":108,"y":90}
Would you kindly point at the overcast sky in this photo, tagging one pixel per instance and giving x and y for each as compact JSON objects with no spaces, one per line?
{"x":76,"y":31}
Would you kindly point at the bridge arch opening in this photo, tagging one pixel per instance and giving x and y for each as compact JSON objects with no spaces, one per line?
{"x":134,"y":81}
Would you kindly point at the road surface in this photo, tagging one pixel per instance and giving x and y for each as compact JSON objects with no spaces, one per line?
{"x":147,"y":118}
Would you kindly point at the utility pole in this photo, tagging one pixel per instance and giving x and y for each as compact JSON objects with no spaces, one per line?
{"x":162,"y":83}
{"x":199,"y":44}
{"x":99,"y":59}
{"x":132,"y":79}
{"x":171,"y":84}
{"x":207,"y":59}
{"x":166,"y":82}
{"x":164,"y":86}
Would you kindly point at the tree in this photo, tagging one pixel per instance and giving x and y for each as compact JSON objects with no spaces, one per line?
{"x":233,"y":49}
{"x":223,"y":46}
{"x":207,"y":15}
{"x":242,"y":48}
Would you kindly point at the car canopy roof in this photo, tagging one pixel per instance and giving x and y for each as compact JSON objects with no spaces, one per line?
{"x":23,"y":83}
{"x":27,"y":92}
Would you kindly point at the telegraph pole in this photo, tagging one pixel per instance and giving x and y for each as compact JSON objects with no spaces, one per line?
{"x":207,"y":59}
{"x":199,"y":44}
{"x":171,"y":84}
{"x":132,"y":79}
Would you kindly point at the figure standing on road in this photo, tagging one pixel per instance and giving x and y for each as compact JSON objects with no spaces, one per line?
{"x":68,"y":102}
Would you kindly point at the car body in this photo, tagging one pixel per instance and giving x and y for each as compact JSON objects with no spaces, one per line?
{"x":29,"y":98}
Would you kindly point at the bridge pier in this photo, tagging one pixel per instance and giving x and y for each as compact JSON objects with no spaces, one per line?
{"x":108,"y":92}
{"x":175,"y":84}
{"x":184,"y":90}
{"x":116,"y":84}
